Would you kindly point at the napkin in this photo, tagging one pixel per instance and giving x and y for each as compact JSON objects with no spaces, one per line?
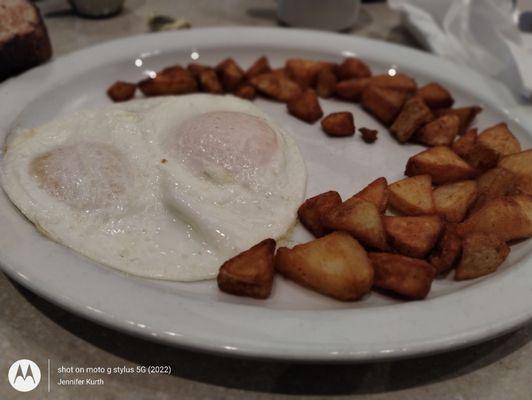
{"x":479,"y":33}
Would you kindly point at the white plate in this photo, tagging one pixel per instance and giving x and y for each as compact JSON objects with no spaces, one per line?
{"x":294,"y":323}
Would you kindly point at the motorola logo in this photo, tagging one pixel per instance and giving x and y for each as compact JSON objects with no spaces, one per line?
{"x":24,"y":375}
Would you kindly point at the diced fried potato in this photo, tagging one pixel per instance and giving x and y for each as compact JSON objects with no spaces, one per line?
{"x":195,"y":69}
{"x":413,"y":196}
{"x":376,"y":192}
{"x":172,"y":70}
{"x":520,"y":164}
{"x":250,"y":273}
{"x":368,"y":135}
{"x":276,"y":85}
{"x":352,"y":68}
{"x":339,"y":124}
{"x":351,"y":89}
{"x":413,"y":236}
{"x":447,"y":250}
{"x":246,"y":91}
{"x":359,"y":218}
{"x":312,"y":210}
{"x":413,"y":116}
{"x":481,"y":156}
{"x":306,"y":106}
{"x":454,"y":199}
{"x":441,"y":163}
{"x":435,"y":96}
{"x":465,"y":114}
{"x":409,"y":277}
{"x":399,"y":82}
{"x":492,"y":144}
{"x":383,"y":104}
{"x":305,"y":72}
{"x":209,"y":82}
{"x":230,"y":74}
{"x":501,"y":139}
{"x":168,"y":84}
{"x":281,"y":73}
{"x":507,"y":217}
{"x":335,"y":265}
{"x":496,"y":182}
{"x":326,"y":83}
{"x":260,"y":66}
{"x":440,"y":132}
{"x":121,"y":91}
{"x":482,"y":254}
{"x":465,"y":143}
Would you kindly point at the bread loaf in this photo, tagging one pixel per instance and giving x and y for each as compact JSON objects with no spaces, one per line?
{"x":24,"y":41}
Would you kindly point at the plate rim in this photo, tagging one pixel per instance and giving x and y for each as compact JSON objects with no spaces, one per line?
{"x":48,"y":75}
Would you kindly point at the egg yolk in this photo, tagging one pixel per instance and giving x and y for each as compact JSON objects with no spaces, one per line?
{"x":234,"y":141}
{"x":86,"y":176}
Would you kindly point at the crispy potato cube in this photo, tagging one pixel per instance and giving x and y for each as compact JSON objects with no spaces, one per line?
{"x":496,"y":182}
{"x":209,"y":82}
{"x":376,"y":192}
{"x":250,"y":273}
{"x":481,"y":156}
{"x":465,"y":114}
{"x":246,"y":91}
{"x":353,"y":68}
{"x":181,"y":82}
{"x":260,"y":66}
{"x":435,"y":96}
{"x":121,"y":91}
{"x":413,"y":196}
{"x":520,"y":164}
{"x":409,"y":277}
{"x":339,"y":124}
{"x":172,"y":70}
{"x":441,"y":163}
{"x":454,"y":199}
{"x":368,"y":135}
{"x":335,"y":265}
{"x":507,"y":217}
{"x":500,"y":139}
{"x":413,"y":236}
{"x":465,"y":143}
{"x":440,"y":132}
{"x":383,"y":104}
{"x":311,"y":211}
{"x":399,"y":82}
{"x":305,"y":72}
{"x":491,"y":145}
{"x":230,"y":74}
{"x":276,"y":86}
{"x":413,"y":116}
{"x":326,"y":83}
{"x":306,"y":106}
{"x":361,"y":219}
{"x":481,"y":255}
{"x":281,"y":73}
{"x":447,"y":250}
{"x":196,"y":69}
{"x":351,"y":89}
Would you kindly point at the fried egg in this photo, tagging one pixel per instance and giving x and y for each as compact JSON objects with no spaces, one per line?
{"x":164,"y":188}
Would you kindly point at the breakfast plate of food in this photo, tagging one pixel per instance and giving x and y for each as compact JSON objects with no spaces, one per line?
{"x":271,"y":193}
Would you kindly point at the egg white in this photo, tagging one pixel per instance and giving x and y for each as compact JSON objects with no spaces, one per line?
{"x":167,"y":219}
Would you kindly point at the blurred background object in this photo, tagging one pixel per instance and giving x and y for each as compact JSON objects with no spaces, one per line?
{"x":333,"y":15}
{"x":24,"y":40}
{"x":97,"y":8}
{"x":482,"y":34}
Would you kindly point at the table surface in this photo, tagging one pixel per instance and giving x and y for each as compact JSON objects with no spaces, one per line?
{"x":32,"y":328}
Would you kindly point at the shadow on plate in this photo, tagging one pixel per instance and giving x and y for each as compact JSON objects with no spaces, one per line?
{"x":284,"y":377}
